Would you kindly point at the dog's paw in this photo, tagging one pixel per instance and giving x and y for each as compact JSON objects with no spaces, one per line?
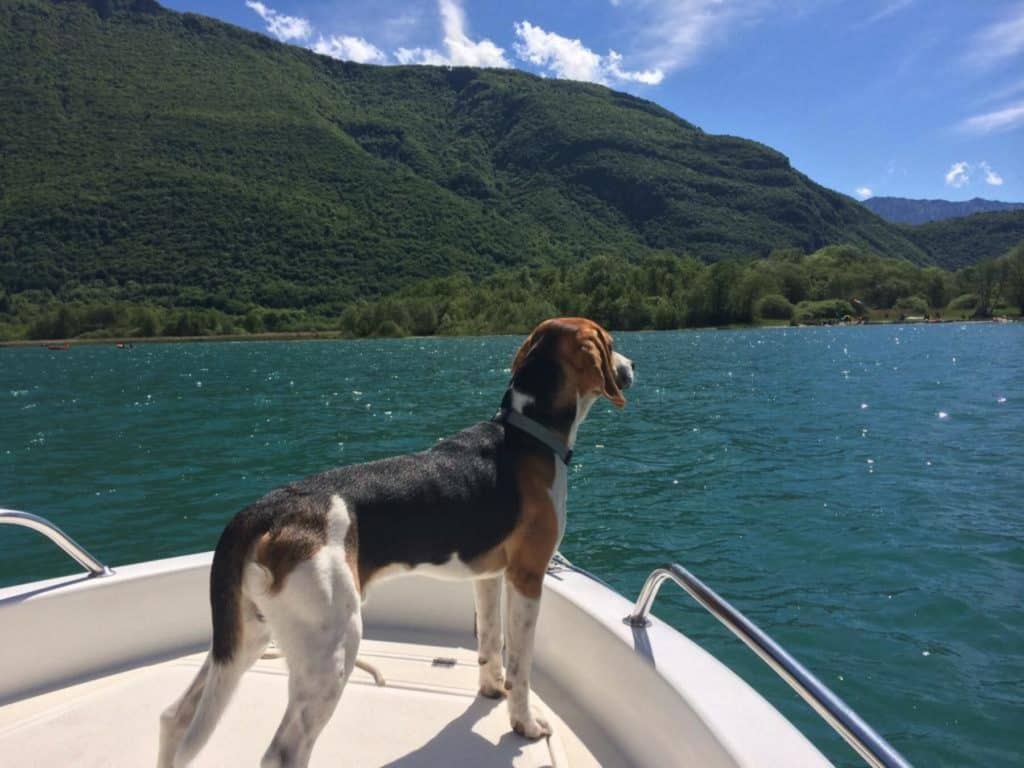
{"x":491,"y":691}
{"x":534,"y":728}
{"x":492,"y":681}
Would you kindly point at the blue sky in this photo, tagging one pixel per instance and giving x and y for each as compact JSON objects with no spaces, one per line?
{"x":912,"y":98}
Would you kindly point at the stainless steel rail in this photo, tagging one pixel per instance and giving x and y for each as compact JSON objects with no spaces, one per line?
{"x":875,"y":750}
{"x":72,"y":548}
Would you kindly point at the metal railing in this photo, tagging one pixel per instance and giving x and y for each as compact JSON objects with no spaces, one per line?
{"x":72,"y":548}
{"x":875,"y":750}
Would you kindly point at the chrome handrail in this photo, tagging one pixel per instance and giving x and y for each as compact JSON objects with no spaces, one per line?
{"x":72,"y":548}
{"x":875,"y":750}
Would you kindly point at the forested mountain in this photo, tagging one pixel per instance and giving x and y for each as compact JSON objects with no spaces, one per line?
{"x":961,"y":242}
{"x":150,"y":147}
{"x":904,"y":210}
{"x":154,"y":163}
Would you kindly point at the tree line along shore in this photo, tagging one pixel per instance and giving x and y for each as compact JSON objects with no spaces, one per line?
{"x":660,"y":291}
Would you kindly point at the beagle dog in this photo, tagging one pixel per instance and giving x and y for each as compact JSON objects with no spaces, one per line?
{"x":485,"y":504}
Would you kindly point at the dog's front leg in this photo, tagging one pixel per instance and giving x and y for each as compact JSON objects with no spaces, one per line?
{"x":522,"y":625}
{"x":488,"y":635}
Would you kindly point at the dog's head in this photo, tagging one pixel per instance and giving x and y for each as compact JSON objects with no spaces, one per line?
{"x":571,"y":359}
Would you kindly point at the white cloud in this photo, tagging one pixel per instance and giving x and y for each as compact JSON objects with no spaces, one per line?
{"x":420,"y":56}
{"x":1001,"y":120}
{"x":890,"y":8}
{"x":863,"y":193}
{"x":570,"y":59}
{"x":646,"y":76}
{"x":992,"y":178}
{"x":350,"y":48}
{"x":280,"y":26}
{"x":998,"y":42}
{"x":347,"y":47}
{"x":565,"y":58}
{"x":958,"y":174}
{"x":459,"y":48}
{"x":674,"y":32}
{"x":556,"y":55}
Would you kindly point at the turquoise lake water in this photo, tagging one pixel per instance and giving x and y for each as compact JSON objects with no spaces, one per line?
{"x":856,"y":491}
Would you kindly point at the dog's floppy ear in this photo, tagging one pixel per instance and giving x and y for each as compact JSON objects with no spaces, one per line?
{"x":597,"y":355}
{"x":531,"y":343}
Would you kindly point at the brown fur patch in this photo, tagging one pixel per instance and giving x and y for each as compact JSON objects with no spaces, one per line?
{"x":352,"y":553}
{"x":283,"y":548}
{"x":532,"y":543}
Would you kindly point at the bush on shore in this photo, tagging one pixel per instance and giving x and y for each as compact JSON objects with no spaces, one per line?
{"x":774,"y":307}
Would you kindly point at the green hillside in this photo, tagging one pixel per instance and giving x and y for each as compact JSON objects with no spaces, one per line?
{"x":170,"y":174}
{"x":151,"y":152}
{"x":958,"y":243}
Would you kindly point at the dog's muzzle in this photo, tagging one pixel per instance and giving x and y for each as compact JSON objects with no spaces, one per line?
{"x":625,"y":371}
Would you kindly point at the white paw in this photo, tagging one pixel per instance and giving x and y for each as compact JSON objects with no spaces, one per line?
{"x":534,"y":728}
{"x":492,"y":681}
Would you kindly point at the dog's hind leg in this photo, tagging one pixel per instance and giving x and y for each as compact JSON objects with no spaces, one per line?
{"x":317,"y":623}
{"x":187,"y":724}
{"x":488,"y":636}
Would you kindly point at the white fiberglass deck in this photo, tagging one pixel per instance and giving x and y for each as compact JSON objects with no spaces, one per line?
{"x":88,"y":664}
{"x":427,"y":714}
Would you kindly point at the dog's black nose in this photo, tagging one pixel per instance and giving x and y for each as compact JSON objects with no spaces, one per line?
{"x":624,"y":374}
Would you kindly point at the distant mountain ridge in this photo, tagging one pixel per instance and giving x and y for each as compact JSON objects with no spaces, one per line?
{"x":905,"y":210}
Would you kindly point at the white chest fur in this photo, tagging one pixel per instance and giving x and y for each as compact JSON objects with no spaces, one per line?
{"x":558,"y":494}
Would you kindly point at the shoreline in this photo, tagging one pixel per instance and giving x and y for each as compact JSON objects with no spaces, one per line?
{"x":114,"y":340}
{"x":340,"y":336}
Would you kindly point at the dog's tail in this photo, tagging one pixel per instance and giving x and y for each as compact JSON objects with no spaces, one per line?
{"x":238,"y":637}
{"x":221,"y":682}
{"x":226,"y":574}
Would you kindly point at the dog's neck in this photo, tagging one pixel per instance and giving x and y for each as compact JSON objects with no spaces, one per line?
{"x":564,"y":422}
{"x":533,"y":392}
